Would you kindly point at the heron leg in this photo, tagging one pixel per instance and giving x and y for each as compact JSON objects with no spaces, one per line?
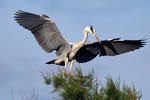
{"x":71,"y":63}
{"x":66,"y":62}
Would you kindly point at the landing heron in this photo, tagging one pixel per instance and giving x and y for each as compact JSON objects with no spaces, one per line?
{"x":50,"y":38}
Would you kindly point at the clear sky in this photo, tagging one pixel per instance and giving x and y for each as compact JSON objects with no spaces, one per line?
{"x":22,"y":60}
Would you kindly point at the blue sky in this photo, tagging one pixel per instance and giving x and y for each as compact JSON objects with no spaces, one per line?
{"x":22,"y":60}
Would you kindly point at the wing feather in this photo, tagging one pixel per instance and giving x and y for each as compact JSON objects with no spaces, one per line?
{"x":45,"y":31}
{"x":107,"y":48}
{"x":115,"y":47}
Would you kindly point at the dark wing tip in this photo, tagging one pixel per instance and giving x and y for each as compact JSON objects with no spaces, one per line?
{"x":143,"y":41}
{"x":116,"y":47}
{"x":28,"y":20}
{"x":18,"y":13}
{"x":18,"y":17}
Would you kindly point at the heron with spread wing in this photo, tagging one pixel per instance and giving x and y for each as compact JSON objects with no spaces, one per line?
{"x":50,"y":38}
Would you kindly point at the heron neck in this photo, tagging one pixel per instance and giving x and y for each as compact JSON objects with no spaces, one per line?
{"x":84,"y":39}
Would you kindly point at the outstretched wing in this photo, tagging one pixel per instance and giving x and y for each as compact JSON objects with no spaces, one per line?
{"x":107,"y":48}
{"x":44,"y":30}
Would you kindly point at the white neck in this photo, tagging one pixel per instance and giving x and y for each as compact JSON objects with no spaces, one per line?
{"x":82,"y":42}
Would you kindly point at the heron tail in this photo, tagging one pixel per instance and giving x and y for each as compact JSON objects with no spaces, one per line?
{"x":62,"y":63}
{"x":51,"y":62}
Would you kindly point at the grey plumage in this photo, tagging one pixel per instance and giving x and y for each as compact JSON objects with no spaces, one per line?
{"x":49,"y":38}
{"x":44,"y":30}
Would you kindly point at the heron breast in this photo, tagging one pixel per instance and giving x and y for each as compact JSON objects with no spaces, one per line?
{"x":73,"y":52}
{"x":71,"y":56}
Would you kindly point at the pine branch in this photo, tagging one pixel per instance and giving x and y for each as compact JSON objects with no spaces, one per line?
{"x":86,"y":87}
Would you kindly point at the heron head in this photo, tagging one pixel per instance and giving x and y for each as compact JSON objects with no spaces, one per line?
{"x":93,"y":32}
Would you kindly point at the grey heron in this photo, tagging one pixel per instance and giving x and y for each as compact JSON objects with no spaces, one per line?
{"x":50,"y":38}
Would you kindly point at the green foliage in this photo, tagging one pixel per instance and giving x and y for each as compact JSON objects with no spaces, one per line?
{"x":80,"y":87}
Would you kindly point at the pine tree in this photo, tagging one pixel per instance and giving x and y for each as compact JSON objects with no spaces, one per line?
{"x":86,"y":87}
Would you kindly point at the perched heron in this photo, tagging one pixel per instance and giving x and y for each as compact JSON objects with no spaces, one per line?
{"x":50,"y":38}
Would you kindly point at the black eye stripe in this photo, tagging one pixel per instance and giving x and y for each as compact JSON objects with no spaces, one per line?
{"x":91,"y":28}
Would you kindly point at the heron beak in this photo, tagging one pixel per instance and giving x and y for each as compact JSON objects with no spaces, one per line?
{"x":97,"y":38}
